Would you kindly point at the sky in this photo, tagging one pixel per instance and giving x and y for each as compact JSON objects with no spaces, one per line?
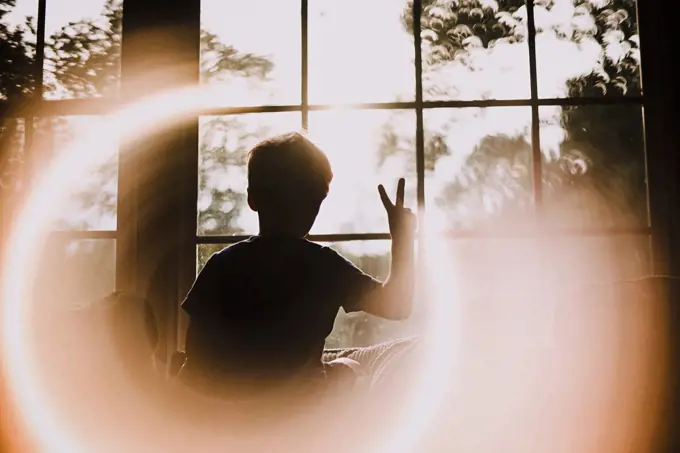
{"x":368,"y":57}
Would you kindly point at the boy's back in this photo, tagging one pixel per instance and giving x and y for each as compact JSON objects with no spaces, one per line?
{"x":264,"y":306}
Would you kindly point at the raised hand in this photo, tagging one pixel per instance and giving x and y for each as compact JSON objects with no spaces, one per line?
{"x":401,"y":220}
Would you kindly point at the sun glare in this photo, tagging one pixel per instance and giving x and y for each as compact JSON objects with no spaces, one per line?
{"x":504,"y":361}
{"x":50,"y":192}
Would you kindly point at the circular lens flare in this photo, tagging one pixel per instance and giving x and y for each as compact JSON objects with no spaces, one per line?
{"x":29,"y":236}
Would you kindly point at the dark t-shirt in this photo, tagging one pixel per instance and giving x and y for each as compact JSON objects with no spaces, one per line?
{"x":266,"y":305}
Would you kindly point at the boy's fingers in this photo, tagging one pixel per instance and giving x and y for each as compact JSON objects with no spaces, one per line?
{"x":385,"y":199}
{"x":400,"y":193}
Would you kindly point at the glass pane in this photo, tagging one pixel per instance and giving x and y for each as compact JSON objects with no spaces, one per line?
{"x":251,"y":50}
{"x":82,"y":48}
{"x":12,"y":168}
{"x":77,"y":271}
{"x":366,"y":148}
{"x":362,"y":329}
{"x":93,"y":203}
{"x":490,"y":268}
{"x":204,"y":252}
{"x":222,"y":182}
{"x":17,"y":58}
{"x":475,"y":49}
{"x":594,"y":166}
{"x":583,"y":260}
{"x":477,"y":167}
{"x":598,"y":45}
{"x":360,"y":51}
{"x":487,"y":267}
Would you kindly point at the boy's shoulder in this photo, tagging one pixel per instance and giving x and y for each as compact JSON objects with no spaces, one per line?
{"x":256,"y":246}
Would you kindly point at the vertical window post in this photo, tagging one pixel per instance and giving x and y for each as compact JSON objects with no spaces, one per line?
{"x":304,"y":95}
{"x":536,"y":159}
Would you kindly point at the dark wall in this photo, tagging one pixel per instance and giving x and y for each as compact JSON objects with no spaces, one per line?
{"x":659,"y":52}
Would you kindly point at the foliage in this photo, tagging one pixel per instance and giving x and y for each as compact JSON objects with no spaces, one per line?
{"x":16,"y":79}
{"x":601,"y":151}
{"x":17,"y":50}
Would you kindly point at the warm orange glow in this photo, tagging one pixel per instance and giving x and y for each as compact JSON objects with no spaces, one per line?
{"x":49,"y":349}
{"x":513,"y":365}
{"x":514,"y":358}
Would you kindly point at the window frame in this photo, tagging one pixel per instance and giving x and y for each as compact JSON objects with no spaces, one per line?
{"x":129,"y":235}
{"x":419,"y":106}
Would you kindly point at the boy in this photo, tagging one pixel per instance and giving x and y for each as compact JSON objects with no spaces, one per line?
{"x":261,"y":309}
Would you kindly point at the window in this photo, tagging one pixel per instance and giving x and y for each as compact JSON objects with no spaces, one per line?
{"x":464,"y":105}
{"x":464,"y":99}
{"x":64,"y":53}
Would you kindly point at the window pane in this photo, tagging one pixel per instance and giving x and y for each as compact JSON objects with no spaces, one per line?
{"x":12,"y":157}
{"x":93,"y":203}
{"x":598,"y":259}
{"x":204,"y":252}
{"x":77,"y":271}
{"x":362,"y":329}
{"x":366,"y":148}
{"x":594,"y":165}
{"x":251,"y":50}
{"x":17,"y":20}
{"x":598,"y":45}
{"x":487,"y":268}
{"x":477,"y":167}
{"x":82,"y":48}
{"x":224,"y":145}
{"x":360,"y":51}
{"x":474,"y":50}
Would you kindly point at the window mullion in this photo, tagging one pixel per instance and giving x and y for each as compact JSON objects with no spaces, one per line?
{"x":421,"y":272}
{"x":31,"y":160}
{"x":536,"y":159}
{"x":40,"y":49}
{"x":304,"y":95}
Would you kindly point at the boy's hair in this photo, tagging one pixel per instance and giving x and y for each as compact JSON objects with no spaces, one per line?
{"x":286,"y":170}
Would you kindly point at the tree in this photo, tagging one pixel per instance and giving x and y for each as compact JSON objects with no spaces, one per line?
{"x":597,"y":144}
{"x":16,"y":80}
{"x":599,"y":154}
{"x":16,"y":65}
{"x":82,"y":60}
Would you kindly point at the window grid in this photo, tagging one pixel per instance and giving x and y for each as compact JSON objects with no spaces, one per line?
{"x":419,"y":105}
{"x":100,"y":106}
{"x":51,"y":108}
{"x":449,"y":234}
{"x":69,"y":107}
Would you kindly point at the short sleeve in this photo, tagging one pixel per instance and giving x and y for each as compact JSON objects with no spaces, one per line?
{"x":351,"y":283}
{"x":199,"y":298}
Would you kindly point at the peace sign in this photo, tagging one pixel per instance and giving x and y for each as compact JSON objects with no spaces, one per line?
{"x":401,"y":220}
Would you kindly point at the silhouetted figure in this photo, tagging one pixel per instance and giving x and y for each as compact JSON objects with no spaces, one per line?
{"x":261,"y":309}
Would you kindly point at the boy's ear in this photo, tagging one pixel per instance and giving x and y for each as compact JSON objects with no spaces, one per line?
{"x":251,"y":203}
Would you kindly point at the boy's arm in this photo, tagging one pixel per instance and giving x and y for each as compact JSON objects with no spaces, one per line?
{"x":197,"y":306}
{"x":394,"y":299}
{"x":200,"y":297}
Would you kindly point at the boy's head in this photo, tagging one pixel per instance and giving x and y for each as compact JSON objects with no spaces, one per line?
{"x":288,"y":179}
